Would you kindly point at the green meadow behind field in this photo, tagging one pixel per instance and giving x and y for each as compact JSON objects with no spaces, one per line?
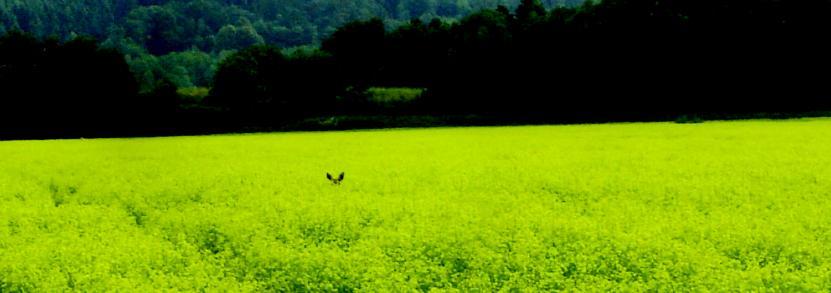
{"x":719,"y":206}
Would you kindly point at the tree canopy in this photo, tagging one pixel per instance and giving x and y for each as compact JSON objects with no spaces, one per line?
{"x":163,"y":26}
{"x":149,"y":30}
{"x":607,"y":61}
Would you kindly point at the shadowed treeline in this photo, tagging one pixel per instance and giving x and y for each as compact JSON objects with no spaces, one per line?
{"x":182,"y":40}
{"x":49,"y":88}
{"x":618,"y":60}
{"x":612,"y":61}
{"x":625,"y":56}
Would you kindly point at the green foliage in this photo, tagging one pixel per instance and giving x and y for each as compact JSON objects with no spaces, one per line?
{"x":194,"y":94}
{"x":686,"y":119}
{"x":738,"y":206}
{"x":249,"y":79}
{"x":530,"y":11}
{"x":394,"y":95}
{"x":164,"y":27}
{"x":174,"y":25}
{"x":263,"y":83}
{"x":157,"y":29}
{"x":184,"y":69}
{"x":234,"y":38}
{"x":562,"y":65}
{"x":76,"y":83}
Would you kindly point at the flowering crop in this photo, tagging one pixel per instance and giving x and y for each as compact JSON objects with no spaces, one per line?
{"x":718,"y":206}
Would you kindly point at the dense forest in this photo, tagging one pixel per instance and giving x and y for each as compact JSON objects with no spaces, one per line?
{"x":183,"y":40}
{"x":608,"y":61}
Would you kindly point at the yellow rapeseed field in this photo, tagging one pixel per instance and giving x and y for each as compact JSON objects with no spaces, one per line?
{"x":718,"y":206}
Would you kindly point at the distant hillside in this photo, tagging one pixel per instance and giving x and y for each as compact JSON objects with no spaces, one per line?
{"x":162,"y":26}
{"x":182,"y":41}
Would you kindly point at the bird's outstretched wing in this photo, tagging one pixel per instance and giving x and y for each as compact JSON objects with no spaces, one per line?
{"x":328,"y":176}
{"x":340,"y":177}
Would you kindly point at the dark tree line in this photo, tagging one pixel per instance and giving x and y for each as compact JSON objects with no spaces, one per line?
{"x":634,"y":59}
{"x":616,"y":60}
{"x":174,"y":25}
{"x":261,"y":86}
{"x":75,"y":88}
{"x":182,"y":41}
{"x":610,"y":61}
